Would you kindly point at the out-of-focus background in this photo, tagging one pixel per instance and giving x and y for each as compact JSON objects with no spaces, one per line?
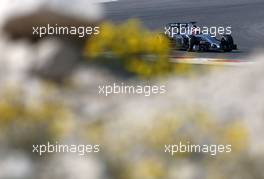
{"x":49,"y":92}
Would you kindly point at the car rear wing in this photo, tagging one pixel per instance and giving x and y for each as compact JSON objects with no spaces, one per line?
{"x":182,"y":24}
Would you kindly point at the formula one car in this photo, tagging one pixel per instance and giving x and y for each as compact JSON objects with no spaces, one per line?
{"x":197,"y":41}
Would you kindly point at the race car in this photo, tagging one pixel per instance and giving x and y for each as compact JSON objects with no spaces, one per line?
{"x":197,"y":41}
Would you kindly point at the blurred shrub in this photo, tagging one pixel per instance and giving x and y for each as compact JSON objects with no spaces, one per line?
{"x":24,"y":123}
{"x":131,"y":48}
{"x":139,"y":152}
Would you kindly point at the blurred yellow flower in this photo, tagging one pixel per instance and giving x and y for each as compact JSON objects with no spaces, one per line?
{"x":135,"y":48}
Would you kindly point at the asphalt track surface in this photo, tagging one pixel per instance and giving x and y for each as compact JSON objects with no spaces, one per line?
{"x":245,"y":16}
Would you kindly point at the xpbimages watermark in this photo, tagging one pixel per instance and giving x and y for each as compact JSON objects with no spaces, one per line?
{"x":79,"y":149}
{"x":81,"y":31}
{"x":211,"y":149}
{"x":183,"y":29}
{"x":146,"y":90}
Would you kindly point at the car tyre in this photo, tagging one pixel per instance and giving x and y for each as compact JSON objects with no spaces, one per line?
{"x":227,"y":43}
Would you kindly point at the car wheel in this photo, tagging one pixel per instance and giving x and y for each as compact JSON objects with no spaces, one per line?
{"x":192,"y":42}
{"x":227,"y":43}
